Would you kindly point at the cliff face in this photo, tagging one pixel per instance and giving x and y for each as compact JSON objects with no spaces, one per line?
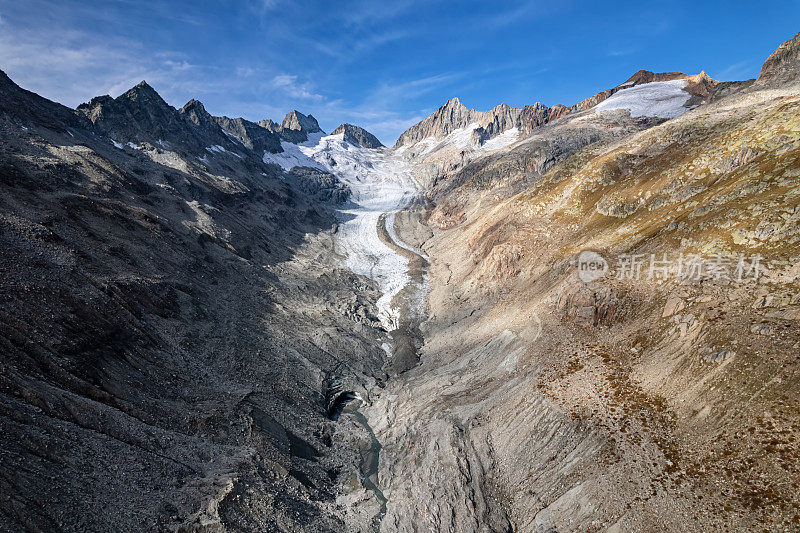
{"x":448,"y":118}
{"x":295,"y":120}
{"x":295,"y":127}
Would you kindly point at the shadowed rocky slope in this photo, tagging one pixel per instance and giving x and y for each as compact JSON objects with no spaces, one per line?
{"x":172,"y":315}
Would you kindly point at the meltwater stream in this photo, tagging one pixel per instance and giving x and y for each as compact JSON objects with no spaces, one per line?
{"x":370,"y":459}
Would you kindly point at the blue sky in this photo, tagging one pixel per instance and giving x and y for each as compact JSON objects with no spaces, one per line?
{"x":382,"y":65}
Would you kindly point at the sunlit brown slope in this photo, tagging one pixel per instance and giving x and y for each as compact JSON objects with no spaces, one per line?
{"x":544,"y":402}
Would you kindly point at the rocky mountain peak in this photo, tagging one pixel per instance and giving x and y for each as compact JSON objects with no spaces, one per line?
{"x":451,"y":116}
{"x":138,"y":111}
{"x":454,"y":115}
{"x":194,"y":104}
{"x":30,"y":108}
{"x":296,"y":120}
{"x":195,"y":111}
{"x":143,"y":92}
{"x":295,"y":126}
{"x":141,"y":115}
{"x":254,"y":136}
{"x":269,"y":124}
{"x":784,"y":63}
{"x":358,"y":136}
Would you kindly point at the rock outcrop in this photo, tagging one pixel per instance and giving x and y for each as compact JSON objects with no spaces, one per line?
{"x":253,"y":136}
{"x":295,"y":127}
{"x":295,"y":120}
{"x":451,"y":116}
{"x":358,"y":136}
{"x":318,"y":184}
{"x":784,"y":63}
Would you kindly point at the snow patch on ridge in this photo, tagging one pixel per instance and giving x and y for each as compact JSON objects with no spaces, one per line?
{"x":507,"y":138}
{"x":297,"y":155}
{"x":461,"y":139}
{"x":663,"y":99}
{"x":221,"y":150}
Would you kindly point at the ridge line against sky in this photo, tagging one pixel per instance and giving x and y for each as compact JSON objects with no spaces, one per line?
{"x":381,"y":67}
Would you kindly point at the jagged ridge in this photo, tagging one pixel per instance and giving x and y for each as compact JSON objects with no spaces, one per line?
{"x":454,"y":115}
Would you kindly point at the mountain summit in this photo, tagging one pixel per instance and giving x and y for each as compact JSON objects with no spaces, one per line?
{"x":295,"y":120}
{"x":295,"y":127}
{"x":783,"y":63}
{"x":358,"y":136}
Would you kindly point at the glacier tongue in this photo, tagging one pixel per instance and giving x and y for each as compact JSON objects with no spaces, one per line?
{"x":381,"y":183}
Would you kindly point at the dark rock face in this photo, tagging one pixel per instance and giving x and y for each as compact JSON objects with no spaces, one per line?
{"x":141,"y":115}
{"x":30,"y":108}
{"x":358,"y":136}
{"x":139,"y":111}
{"x":318,"y":184}
{"x":253,"y":136}
{"x":197,"y":114}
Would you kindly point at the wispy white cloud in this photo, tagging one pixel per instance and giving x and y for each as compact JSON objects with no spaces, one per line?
{"x":621,"y":52}
{"x":295,"y":89}
{"x":514,"y":15}
{"x":739,"y":70}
